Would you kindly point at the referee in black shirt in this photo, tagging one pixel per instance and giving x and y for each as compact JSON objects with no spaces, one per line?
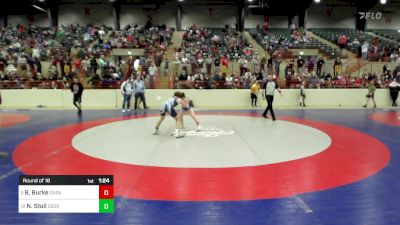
{"x":269,"y":90}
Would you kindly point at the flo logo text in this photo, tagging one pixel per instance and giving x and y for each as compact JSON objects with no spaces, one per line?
{"x":370,"y":15}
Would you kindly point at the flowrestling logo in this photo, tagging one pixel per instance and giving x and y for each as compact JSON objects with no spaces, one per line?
{"x":370,"y":15}
{"x":206,"y":132}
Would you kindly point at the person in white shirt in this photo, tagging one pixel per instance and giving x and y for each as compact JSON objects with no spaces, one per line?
{"x":86,"y":65}
{"x":86,"y":37}
{"x":200,"y":61}
{"x":247,"y":75}
{"x":136,"y":64}
{"x":229,"y":81}
{"x":269,"y":90}
{"x":102,"y":33}
{"x":22,"y":63}
{"x":36,"y":53}
{"x":393,"y":57}
{"x":152,"y":71}
{"x":292,"y":27}
{"x":364,"y":50}
{"x":184,"y":59}
{"x":126,"y":91}
{"x":242,"y":65}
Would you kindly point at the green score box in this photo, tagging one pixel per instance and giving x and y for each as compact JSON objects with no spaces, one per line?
{"x":106,"y":206}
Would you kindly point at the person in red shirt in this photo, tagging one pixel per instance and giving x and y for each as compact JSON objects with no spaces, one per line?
{"x":266,"y":27}
{"x":77,"y":64}
{"x":129,"y":38}
{"x":236,"y":81}
{"x":342,"y":41}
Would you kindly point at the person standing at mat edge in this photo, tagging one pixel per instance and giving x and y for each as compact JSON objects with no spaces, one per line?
{"x":269,"y":90}
{"x":139,"y":88}
{"x":77,"y":90}
{"x":394,"y":89}
{"x":126,"y":91}
{"x":255,"y":88}
{"x":371,"y":93}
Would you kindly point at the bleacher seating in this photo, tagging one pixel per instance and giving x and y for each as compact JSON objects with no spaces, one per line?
{"x":378,"y":49}
{"x":202,"y":42}
{"x":282,"y":37}
{"x":387,"y":33}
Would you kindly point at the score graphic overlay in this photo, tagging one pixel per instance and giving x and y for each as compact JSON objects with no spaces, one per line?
{"x":65,"y":194}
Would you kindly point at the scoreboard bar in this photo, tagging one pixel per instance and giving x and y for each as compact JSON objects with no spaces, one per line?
{"x":66,"y":194}
{"x":65,"y":180}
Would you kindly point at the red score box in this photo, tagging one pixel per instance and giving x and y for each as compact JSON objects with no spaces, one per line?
{"x":106,"y":192}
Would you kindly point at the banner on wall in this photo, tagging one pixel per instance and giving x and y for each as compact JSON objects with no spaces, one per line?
{"x":329,"y":11}
{"x":31,"y":18}
{"x":388,"y":19}
{"x":87,"y":11}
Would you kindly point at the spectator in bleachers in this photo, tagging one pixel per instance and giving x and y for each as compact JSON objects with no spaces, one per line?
{"x":93,"y":66}
{"x":67,"y":71}
{"x":263,"y":63}
{"x":229,"y":81}
{"x":320,"y":64}
{"x":270,"y":66}
{"x":364,"y":50}
{"x":236,"y":81}
{"x":260,"y":77}
{"x":183,"y":75}
{"x":337,"y":66}
{"x":314,"y":80}
{"x":209,"y":62}
{"x":217,"y":63}
{"x":394,"y":56}
{"x":342,"y":41}
{"x":136,"y":64}
{"x":152,"y":71}
{"x":292,"y":27}
{"x":86,"y":66}
{"x":266,"y":27}
{"x":277,"y":64}
{"x":52,"y":72}
{"x":242,"y":65}
{"x":398,"y":60}
{"x":310,"y":64}
{"x":190,"y":78}
{"x":300,"y":65}
{"x":224,"y":62}
{"x":200,"y":64}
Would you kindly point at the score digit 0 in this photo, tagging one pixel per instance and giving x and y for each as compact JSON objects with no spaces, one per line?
{"x":106,"y":192}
